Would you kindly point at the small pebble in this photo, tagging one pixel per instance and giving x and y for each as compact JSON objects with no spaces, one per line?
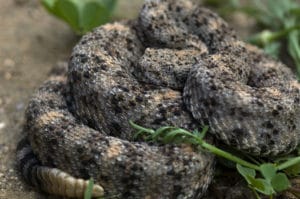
{"x":3,"y":149}
{"x":9,"y":63}
{"x":2,"y":125}
{"x":20,"y":106}
{"x":7,"y":75}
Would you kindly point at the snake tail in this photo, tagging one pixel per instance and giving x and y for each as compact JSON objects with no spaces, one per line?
{"x":50,"y":180}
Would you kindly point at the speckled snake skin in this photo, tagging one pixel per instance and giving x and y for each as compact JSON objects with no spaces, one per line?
{"x":178,"y":64}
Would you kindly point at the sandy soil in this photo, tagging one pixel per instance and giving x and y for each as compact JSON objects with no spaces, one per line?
{"x":29,"y":48}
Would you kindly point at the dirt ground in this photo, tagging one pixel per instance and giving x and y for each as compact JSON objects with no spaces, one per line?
{"x":31,"y":42}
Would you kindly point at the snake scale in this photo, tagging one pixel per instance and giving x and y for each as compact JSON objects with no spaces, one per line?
{"x":178,"y":64}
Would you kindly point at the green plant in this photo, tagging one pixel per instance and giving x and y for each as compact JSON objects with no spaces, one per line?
{"x":272,"y":177}
{"x":279,"y":22}
{"x":81,"y":15}
{"x":89,"y":190}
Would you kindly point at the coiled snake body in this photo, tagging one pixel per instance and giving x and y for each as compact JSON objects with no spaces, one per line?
{"x":178,"y":64}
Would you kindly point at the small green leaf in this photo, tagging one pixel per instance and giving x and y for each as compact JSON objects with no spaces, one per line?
{"x":49,"y":4}
{"x":293,"y":170}
{"x":81,"y":15}
{"x":138,"y":127}
{"x":196,"y":133}
{"x":261,"y":185}
{"x":268,"y":171}
{"x":273,"y":49}
{"x":261,"y":39}
{"x":170,"y":136}
{"x":109,"y":4}
{"x":280,"y":182}
{"x":246,"y":172}
{"x":294,"y":49}
{"x":68,"y":11}
{"x":162,"y":131}
{"x":295,"y":11}
{"x":89,"y":190}
{"x":92,"y":15}
{"x":277,"y":8}
{"x":138,"y":134}
{"x":203,"y":132}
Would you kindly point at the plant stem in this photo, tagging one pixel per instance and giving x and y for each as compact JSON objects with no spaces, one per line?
{"x":151,"y":131}
{"x":294,"y":50}
{"x":255,"y":193}
{"x":227,"y":155}
{"x":278,"y":35}
{"x":266,"y":37}
{"x":204,"y":145}
{"x":289,"y":163}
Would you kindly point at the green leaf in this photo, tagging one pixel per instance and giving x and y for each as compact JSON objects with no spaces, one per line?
{"x":138,"y":127}
{"x":81,"y":15}
{"x":294,"y":49}
{"x":261,"y":39}
{"x":280,"y":182}
{"x":273,"y":49}
{"x":203,"y":132}
{"x":49,"y":4}
{"x":138,"y":134}
{"x":68,"y":11}
{"x":161,"y":131}
{"x":277,"y":8}
{"x":261,"y":185}
{"x":293,"y":170}
{"x":109,"y":4}
{"x":268,"y":171}
{"x":92,"y":15}
{"x":170,"y":136}
{"x":214,"y":3}
{"x":246,"y":172}
{"x":89,"y":190}
{"x":295,"y":11}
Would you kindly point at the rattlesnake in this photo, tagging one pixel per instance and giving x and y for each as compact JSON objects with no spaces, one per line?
{"x":179,"y":64}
